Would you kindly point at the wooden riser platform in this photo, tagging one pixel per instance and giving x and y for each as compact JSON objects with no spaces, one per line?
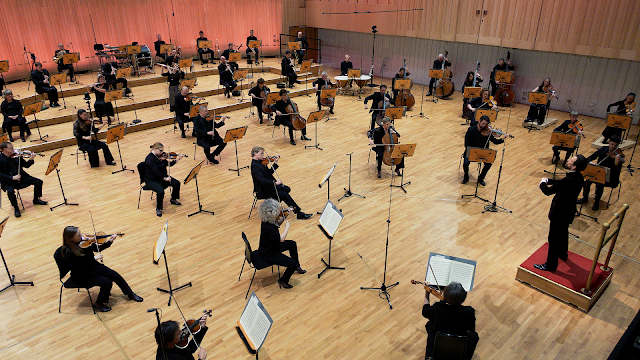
{"x":626,"y":144}
{"x":547,"y":122}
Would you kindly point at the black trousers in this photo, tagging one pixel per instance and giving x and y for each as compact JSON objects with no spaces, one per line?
{"x":558,"y":243}
{"x":159,"y":186}
{"x":374,"y":116}
{"x":63,"y":67}
{"x":228,"y":85}
{"x":493,"y":86}
{"x":24,"y":182}
{"x":103,"y":108}
{"x":20,"y":122}
{"x":320,"y":105}
{"x":112,"y":82}
{"x":291,"y":263}
{"x":181,"y":119}
{"x":258,"y":104}
{"x":537,"y":113}
{"x":104,"y":277}
{"x":92,"y":150}
{"x":285,"y":121}
{"x":205,"y":51}
{"x":609,"y":131}
{"x":283,"y":194}
{"x":250,"y":52}
{"x":557,"y":149}
{"x":211,"y":142}
{"x":52,"y":93}
{"x":483,"y":173}
{"x":379,"y":155}
{"x":300,"y":56}
{"x":599,"y":189}
{"x":431,"y":83}
{"x":292,"y":77}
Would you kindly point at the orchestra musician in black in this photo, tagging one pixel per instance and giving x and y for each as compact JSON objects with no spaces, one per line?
{"x":156,"y":46}
{"x":40,"y":78}
{"x":375,"y":139}
{"x":254,"y":51}
{"x":480,"y":102}
{"x":226,"y":76}
{"x":567,"y":126}
{"x":399,"y":76}
{"x":109,"y":70}
{"x":537,"y":112}
{"x":475,"y":138}
{"x":157,"y":179}
{"x":468,"y":81}
{"x":624,"y":107}
{"x":173,"y":58}
{"x":318,"y":84}
{"x":13,"y":177}
{"x":287,"y":69}
{"x":12,"y":112}
{"x":102,"y":107}
{"x":256,"y":98}
{"x":174,"y":75}
{"x":182,"y":108}
{"x":203,"y":50}
{"x":376,"y":107}
{"x":502,"y":65}
{"x":304,"y":46}
{"x":61,"y":65}
{"x":282,"y":118}
{"x":83,"y":128}
{"x":610,"y":157}
{"x":437,"y":65}
{"x":168,"y":334}
{"x":346,"y":65}
{"x":227,"y":55}
{"x":205,"y":128}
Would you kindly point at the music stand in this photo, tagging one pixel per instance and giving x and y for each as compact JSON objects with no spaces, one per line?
{"x":396,"y":112}
{"x":166,"y":48}
{"x":185,"y":63}
{"x":193,"y":174}
{"x":123,"y":72}
{"x":305,"y":67}
{"x":480,"y":155}
{"x":235,"y":57}
{"x":33,"y":109}
{"x":402,"y":84}
{"x":54,"y":161}
{"x":235,"y":135}
{"x":327,"y":179}
{"x":314,"y":117}
{"x":401,"y":151}
{"x":537,"y":98}
{"x":254,"y":44}
{"x":597,"y":174}
{"x":271,"y":99}
{"x":492,"y":114}
{"x":294,"y":46}
{"x":436,"y":74}
{"x":59,"y":79}
{"x":329,"y":93}
{"x":116,"y":133}
{"x":206,"y":44}
{"x":71,"y":58}
{"x":132,"y":51}
{"x":240,"y":75}
{"x":4,"y":138}
{"x":4,"y":67}
{"x":12,"y":278}
{"x":353,"y":75}
{"x":190,"y":83}
{"x":562,"y":139}
{"x":329,"y":222}
{"x":159,"y":249}
{"x":471,"y":92}
{"x":620,"y":122}
{"x":502,"y":76}
{"x":194,"y":110}
{"x":114,"y":96}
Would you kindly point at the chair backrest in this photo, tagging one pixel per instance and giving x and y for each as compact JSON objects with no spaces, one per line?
{"x":142,"y":170}
{"x":247,"y":248}
{"x":63,"y":265}
{"x":449,"y":347}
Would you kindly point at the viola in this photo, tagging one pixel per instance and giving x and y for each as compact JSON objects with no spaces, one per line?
{"x":435,"y":292}
{"x":549,"y":91}
{"x":490,"y":131}
{"x":298,"y":121}
{"x":191,"y":327}
{"x":615,"y":152}
{"x":99,"y":238}
{"x":268,"y":159}
{"x":283,"y":215}
{"x":630,"y":108}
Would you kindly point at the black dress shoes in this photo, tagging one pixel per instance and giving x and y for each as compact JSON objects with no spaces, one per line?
{"x":542,"y":267}
{"x":481,"y":182}
{"x":596,"y":205}
{"x":113,"y":163}
{"x":300,"y":271}
{"x":293,"y":142}
{"x":378,"y":174}
{"x":582,"y":201}
{"x":304,"y":137}
{"x":303,"y":216}
{"x":39,"y":202}
{"x":159,"y":212}
{"x":17,"y":213}
{"x":285,"y":285}
{"x":465,"y":179}
{"x":135,"y":297}
{"x":101,"y":307}
{"x":175,"y":202}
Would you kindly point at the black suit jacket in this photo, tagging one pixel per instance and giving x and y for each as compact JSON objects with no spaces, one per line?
{"x":450,"y":319}
{"x":9,"y":168}
{"x":285,"y":66}
{"x":263,"y":180}
{"x":566,"y":190}
{"x":202,"y":127}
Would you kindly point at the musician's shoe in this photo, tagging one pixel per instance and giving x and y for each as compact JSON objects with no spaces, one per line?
{"x":429,"y":94}
{"x":285,"y":285}
{"x":293,"y":142}
{"x":481,"y":182}
{"x":542,"y":267}
{"x":300,"y":271}
{"x":10,"y":138}
{"x":175,"y":202}
{"x":555,"y":159}
{"x":298,"y":82}
{"x":159,"y":212}
{"x":39,"y":202}
{"x":540,"y":122}
{"x":214,"y":161}
{"x":22,"y":138}
{"x":583,"y":200}
{"x":184,"y":136}
{"x":113,"y":163}
{"x":17,"y":213}
{"x":54,"y":105}
{"x":398,"y":172}
{"x":304,"y":137}
{"x":596,"y":205}
{"x":303,"y":216}
{"x":330,"y":111}
{"x":465,"y":179}
{"x":135,"y":297}
{"x":378,"y":174}
{"x":101,"y":307}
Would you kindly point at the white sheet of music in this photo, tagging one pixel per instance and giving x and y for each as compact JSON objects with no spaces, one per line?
{"x":441,"y":267}
{"x":161,"y":243}
{"x":331,"y":218}
{"x":448,"y":268}
{"x":462,"y":273}
{"x":328,"y":174}
{"x":255,"y":322}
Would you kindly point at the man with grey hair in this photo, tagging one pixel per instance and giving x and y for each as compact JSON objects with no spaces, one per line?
{"x":204,"y":127}
{"x":227,"y":55}
{"x":12,"y":113}
{"x":437,"y":65}
{"x":225,"y":69}
{"x":183,"y":108}
{"x":318,"y":84}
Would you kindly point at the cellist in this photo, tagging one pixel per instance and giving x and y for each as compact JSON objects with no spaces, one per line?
{"x":376,"y":139}
{"x":282,"y":118}
{"x":256,"y":97}
{"x":318,"y":84}
{"x":402,"y":74}
{"x":377,"y":107}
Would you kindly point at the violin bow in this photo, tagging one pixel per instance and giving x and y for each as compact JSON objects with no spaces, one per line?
{"x":185,"y":323}
{"x":95,"y":234}
{"x":20,"y":160}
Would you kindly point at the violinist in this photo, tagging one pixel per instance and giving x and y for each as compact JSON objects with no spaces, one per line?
{"x":346,"y":65}
{"x":156,"y":46}
{"x":571,"y":126}
{"x":256,"y":98}
{"x":182,"y":107}
{"x":376,"y":108}
{"x":265,"y":184}
{"x":13,"y":177}
{"x":109,"y":69}
{"x":399,"y":76}
{"x":12,"y":112}
{"x":451,"y":317}
{"x":169,"y":334}
{"x":249,"y":50}
{"x":61,"y":65}
{"x":437,"y":65}
{"x":318,"y":84}
{"x":203,"y":50}
{"x":156,"y":176}
{"x":86,"y":271}
{"x":173,"y":58}
{"x":227,"y":55}
{"x":205,"y":128}
{"x":500,"y":66}
{"x":174,"y":75}
{"x":479,"y":136}
{"x":609,"y":156}
{"x":288,"y":69}
{"x":273,"y":243}
{"x":82,"y":129}
{"x":468,"y":81}
{"x":102,"y":107}
{"x":480,"y":102}
{"x":282,"y":118}
{"x":537,"y":112}
{"x":625,"y":107}
{"x":40,"y":78}
{"x":375,"y":139}
{"x":226,"y":76}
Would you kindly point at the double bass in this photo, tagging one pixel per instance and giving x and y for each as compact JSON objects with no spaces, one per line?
{"x":298,"y":121}
{"x":504,"y":94}
{"x":328,"y":101}
{"x":444,"y":86}
{"x":405,"y":98}
{"x":382,"y":105}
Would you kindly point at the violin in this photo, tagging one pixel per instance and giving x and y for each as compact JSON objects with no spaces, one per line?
{"x":268,"y":159}
{"x":170,"y":156}
{"x":577,"y":128}
{"x":549,"y":91}
{"x":490,"y":131}
{"x":24,"y":154}
{"x":630,"y":108}
{"x":435,"y":292}
{"x":191,"y":327}
{"x":298,"y":121}
{"x":99,"y":238}
{"x":616,"y":152}
{"x":283,"y":215}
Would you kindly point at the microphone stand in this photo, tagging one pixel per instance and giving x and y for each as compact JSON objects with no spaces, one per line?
{"x":422,"y":115}
{"x":493,"y":207}
{"x":347,"y":192}
{"x":164,"y":354}
{"x":630,"y":168}
{"x":373,"y":54}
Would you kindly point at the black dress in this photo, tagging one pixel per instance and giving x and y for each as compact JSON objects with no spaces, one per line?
{"x":101,"y":107}
{"x":271,"y":250}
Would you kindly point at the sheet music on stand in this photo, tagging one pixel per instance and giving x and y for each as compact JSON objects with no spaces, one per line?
{"x":254,"y":324}
{"x":158,"y":250}
{"x":330,"y":219}
{"x":450,"y":268}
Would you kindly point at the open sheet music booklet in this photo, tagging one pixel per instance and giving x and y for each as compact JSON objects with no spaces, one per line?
{"x":255,"y":322}
{"x":448,"y":268}
{"x":330,"y":219}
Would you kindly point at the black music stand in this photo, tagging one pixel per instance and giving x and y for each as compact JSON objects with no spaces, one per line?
{"x":596,"y":174}
{"x":158,"y":251}
{"x":314,"y":117}
{"x":329,"y":222}
{"x":347,"y":192}
{"x":54,"y":161}
{"x":235,"y":135}
{"x":32,"y":109}
{"x":12,"y":278}
{"x":193,"y":174}
{"x":116,"y":133}
{"x":327,"y":179}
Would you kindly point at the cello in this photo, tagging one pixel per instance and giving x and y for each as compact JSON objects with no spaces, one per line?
{"x":405,"y":98}
{"x":263,"y":95}
{"x":389,"y":139}
{"x":504,"y":94}
{"x":444,"y":86}
{"x":328,"y":101}
{"x":298,"y":121}
{"x":382,"y":105}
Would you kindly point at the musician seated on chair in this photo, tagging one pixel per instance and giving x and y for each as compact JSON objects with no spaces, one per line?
{"x":182,"y":108}
{"x":227,"y":55}
{"x":273,"y":244}
{"x":225,"y":69}
{"x":40,"y":78}
{"x":318,"y":84}
{"x":169,"y":334}
{"x":346,"y":65}
{"x":109,"y":70}
{"x":537,"y":112}
{"x":450,"y":317}
{"x":205,"y":128}
{"x":156,"y":176}
{"x":437,"y":65}
{"x":82,"y":129}
{"x":468,"y":81}
{"x":377,"y":108}
{"x":500,"y":66}
{"x":249,"y":50}
{"x":287,"y":69}
{"x":282,"y":118}
{"x":203,"y":50}
{"x":624,"y":107}
{"x":156,"y":46}
{"x":608,"y":156}
{"x":256,"y":99}
{"x":304,"y":46}
{"x":480,"y":102}
{"x":399,"y":76}
{"x":12,"y":112}
{"x":265,"y":184}
{"x":475,"y":138}
{"x":376,"y":139}
{"x":61,"y":65}
{"x":13,"y":177}
{"x":570,"y":127}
